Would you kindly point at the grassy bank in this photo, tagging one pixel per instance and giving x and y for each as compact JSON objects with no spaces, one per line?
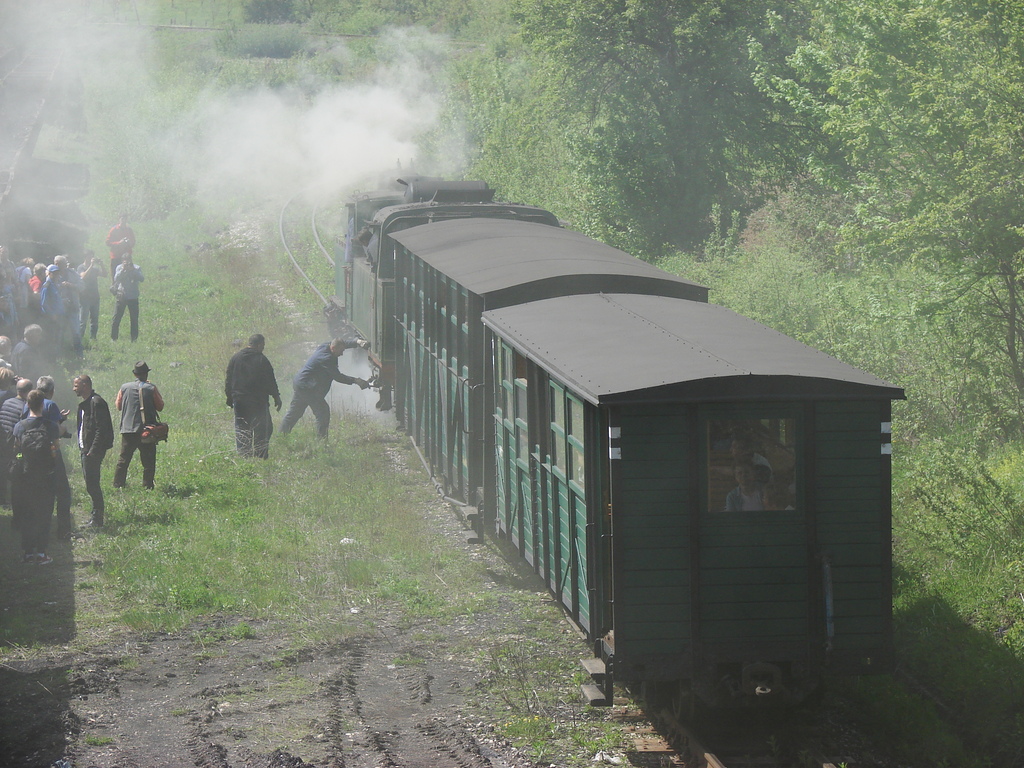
{"x":304,"y":536}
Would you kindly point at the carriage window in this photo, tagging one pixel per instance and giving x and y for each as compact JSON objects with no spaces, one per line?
{"x":504,"y":393}
{"x":751,"y":465}
{"x":557,"y":426}
{"x":577,"y":456}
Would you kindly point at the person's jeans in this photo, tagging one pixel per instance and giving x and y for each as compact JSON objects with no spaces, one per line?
{"x":91,"y":466}
{"x":131,"y":442}
{"x":89,"y":317}
{"x":301,"y":400}
{"x":132,"y":305}
{"x":253,"y":428}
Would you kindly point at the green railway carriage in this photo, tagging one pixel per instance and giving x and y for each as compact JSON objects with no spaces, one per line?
{"x":365,"y":278}
{"x":445,"y":275}
{"x":709,"y":499}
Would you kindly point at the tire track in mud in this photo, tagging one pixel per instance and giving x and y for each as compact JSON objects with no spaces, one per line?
{"x":366,"y":712}
{"x":393,"y":711}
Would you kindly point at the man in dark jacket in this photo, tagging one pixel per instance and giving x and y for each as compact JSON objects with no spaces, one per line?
{"x":248,"y":386}
{"x":313,"y":382}
{"x":27,"y":356}
{"x":34,"y":482}
{"x":95,"y":437}
{"x":7,"y":383}
{"x":10,"y":415}
{"x":53,"y":412}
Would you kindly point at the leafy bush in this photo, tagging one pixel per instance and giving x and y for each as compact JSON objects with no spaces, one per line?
{"x":276,"y":41}
{"x":269,"y":11}
{"x":954,"y":502}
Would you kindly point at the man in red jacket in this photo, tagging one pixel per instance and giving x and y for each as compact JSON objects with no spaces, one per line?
{"x":120,"y":240}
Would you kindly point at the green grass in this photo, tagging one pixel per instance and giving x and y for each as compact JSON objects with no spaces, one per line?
{"x":301,"y":537}
{"x":222,"y":534}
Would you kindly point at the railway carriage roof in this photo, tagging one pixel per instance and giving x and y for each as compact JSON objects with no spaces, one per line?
{"x":616,"y":348}
{"x":488,"y":256}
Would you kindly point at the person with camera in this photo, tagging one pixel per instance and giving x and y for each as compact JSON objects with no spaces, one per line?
{"x":121,"y":242}
{"x":90,"y":271}
{"x":138,"y":401}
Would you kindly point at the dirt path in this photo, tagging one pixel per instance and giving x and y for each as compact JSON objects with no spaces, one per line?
{"x":229,"y":693}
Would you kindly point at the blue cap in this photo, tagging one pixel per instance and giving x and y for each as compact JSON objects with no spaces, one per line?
{"x":52,"y":268}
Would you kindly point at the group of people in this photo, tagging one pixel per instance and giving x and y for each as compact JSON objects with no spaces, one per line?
{"x":250,"y":385}
{"x":31,"y":427}
{"x":52,"y":308}
{"x":757,"y":489}
{"x":63,"y":300}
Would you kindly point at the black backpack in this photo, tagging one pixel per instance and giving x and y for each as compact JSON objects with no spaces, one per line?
{"x":34,"y":452}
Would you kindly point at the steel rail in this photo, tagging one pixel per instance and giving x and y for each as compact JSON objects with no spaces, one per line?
{"x":291,"y":256}
{"x":316,"y":236}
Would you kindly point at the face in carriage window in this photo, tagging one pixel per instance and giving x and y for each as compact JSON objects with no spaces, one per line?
{"x":751,"y":465}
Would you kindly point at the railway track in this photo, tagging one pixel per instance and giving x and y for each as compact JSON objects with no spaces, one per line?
{"x":305,"y":248}
{"x":727,"y":740}
{"x":25,"y":83}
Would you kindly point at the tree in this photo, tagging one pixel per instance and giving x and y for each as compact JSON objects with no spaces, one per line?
{"x":269,"y":11}
{"x":924,"y":98}
{"x":670,"y":122}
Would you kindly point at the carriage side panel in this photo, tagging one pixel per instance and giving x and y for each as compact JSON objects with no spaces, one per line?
{"x":651,"y":519}
{"x":855,"y":531}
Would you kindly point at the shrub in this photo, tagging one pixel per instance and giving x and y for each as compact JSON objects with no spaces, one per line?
{"x":277,"y":41}
{"x":269,"y":11}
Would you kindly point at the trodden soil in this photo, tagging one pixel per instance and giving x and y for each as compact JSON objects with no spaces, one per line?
{"x":230,"y":692}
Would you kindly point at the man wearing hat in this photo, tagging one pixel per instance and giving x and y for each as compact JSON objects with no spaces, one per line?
{"x":138,"y":401}
{"x":311,"y":385}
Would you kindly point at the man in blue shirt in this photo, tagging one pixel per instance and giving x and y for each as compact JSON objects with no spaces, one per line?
{"x":70,"y":291}
{"x":127,"y":277}
{"x":313,"y":382}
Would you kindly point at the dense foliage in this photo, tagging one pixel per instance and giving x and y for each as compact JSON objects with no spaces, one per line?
{"x":923,"y":102}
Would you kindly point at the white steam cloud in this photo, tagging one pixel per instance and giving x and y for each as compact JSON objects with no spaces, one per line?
{"x":321,"y":138}
{"x":267,"y":143}
{"x":238,"y":146}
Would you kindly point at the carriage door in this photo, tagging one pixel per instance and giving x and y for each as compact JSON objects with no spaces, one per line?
{"x":514,"y":491}
{"x":753,"y":536}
